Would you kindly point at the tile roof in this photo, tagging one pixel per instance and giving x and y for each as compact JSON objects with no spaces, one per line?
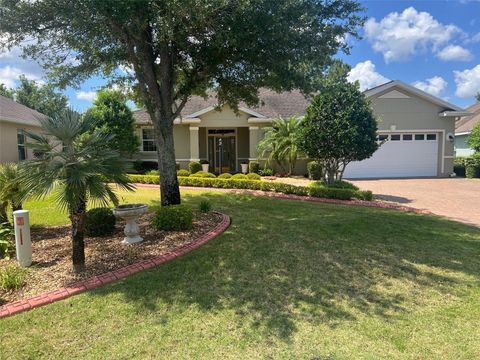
{"x":12,"y":111}
{"x":467,"y":123}
{"x":272,"y":104}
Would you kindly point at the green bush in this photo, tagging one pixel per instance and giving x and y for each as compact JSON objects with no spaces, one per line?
{"x":342,"y":184}
{"x":225,"y":176}
{"x":239,"y":177}
{"x":152,"y":172}
{"x":266,"y":172}
{"x":6,"y":243}
{"x":183,"y":172}
{"x":194,"y":167}
{"x":205,"y":206}
{"x":12,"y":277}
{"x":100,"y":222}
{"x":203,"y":174}
{"x":173,"y":217}
{"x":459,"y":166}
{"x":472,"y":166}
{"x":332,"y":193}
{"x":254,"y":167}
{"x":143,"y":166}
{"x":253,"y":176}
{"x":315,"y":170}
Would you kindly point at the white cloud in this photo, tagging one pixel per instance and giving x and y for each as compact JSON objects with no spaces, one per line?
{"x":366,"y":75}
{"x":475,"y":38}
{"x":435,"y":85}
{"x":468,"y":82}
{"x":9,"y":76}
{"x":86,"y":95}
{"x":454,"y":53}
{"x":399,"y":36}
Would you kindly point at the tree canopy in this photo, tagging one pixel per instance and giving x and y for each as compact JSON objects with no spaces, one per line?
{"x":175,"y":49}
{"x":8,"y":93}
{"x":474,"y":138}
{"x":339,"y":126}
{"x":111,"y":114}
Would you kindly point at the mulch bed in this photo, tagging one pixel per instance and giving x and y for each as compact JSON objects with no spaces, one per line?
{"x":51,"y":246}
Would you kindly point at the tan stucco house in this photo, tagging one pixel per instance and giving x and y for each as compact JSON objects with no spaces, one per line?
{"x":14,"y":118}
{"x":416,"y":129}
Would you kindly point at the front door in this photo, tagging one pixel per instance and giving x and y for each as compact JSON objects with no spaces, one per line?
{"x":222,"y":150}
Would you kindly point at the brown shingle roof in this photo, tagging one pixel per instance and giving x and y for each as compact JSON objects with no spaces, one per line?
{"x":467,"y":123}
{"x":272,"y":105}
{"x":12,"y":111}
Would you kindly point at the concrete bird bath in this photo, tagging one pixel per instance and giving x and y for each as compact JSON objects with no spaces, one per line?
{"x":130,"y":213}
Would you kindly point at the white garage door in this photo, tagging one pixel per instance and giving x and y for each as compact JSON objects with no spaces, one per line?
{"x":400,"y":155}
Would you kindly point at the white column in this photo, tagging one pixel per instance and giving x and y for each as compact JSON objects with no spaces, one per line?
{"x":194,"y":144}
{"x":254,"y":133}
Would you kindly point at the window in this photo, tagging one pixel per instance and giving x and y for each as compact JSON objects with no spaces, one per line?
{"x":382,"y":137}
{"x":407,"y":137}
{"x":395,"y":137}
{"x":22,"y":152}
{"x":148,"y":140}
{"x":419,"y":136}
{"x":431,"y":136}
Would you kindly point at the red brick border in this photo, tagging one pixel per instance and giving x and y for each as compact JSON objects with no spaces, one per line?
{"x":107,"y":278}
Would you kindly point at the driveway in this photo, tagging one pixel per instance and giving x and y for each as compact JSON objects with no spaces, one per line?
{"x":455,"y":198}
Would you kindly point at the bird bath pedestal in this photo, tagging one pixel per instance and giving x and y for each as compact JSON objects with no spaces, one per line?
{"x":130,"y":213}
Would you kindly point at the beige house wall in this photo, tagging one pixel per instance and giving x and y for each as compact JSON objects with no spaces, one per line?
{"x":8,"y":141}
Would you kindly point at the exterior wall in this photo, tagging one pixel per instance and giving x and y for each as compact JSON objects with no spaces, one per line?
{"x":8,"y":141}
{"x":413,"y":113}
{"x":461,"y":147}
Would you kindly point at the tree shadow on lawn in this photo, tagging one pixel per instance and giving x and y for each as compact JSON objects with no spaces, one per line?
{"x":282,"y":262}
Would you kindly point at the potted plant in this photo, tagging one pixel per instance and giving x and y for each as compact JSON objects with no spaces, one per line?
{"x":205,"y":165}
{"x":244,"y":166}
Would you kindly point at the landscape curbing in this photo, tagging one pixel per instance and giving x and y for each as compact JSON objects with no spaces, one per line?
{"x":112,"y":276}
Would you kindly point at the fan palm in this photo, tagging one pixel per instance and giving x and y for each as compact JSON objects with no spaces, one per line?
{"x":12,"y":192}
{"x":280,"y":143}
{"x":76,"y":166}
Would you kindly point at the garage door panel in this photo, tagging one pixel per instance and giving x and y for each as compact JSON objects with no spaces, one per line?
{"x":398,"y":159}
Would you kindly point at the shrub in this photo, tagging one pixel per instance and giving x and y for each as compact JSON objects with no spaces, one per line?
{"x":254,"y":167}
{"x":173,"y":217}
{"x":315,"y":170}
{"x":12,"y":277}
{"x":183,"y":172}
{"x":342,"y":184}
{"x":266,"y":172}
{"x":225,"y":176}
{"x":194,"y":167}
{"x":459,"y":166}
{"x":239,"y":177}
{"x":332,"y":193}
{"x":100,"y":222}
{"x":152,"y":172}
{"x":203,"y":174}
{"x":143,"y":166}
{"x":205,"y":206}
{"x":6,"y":236}
{"x":253,"y":176}
{"x":472,"y":166}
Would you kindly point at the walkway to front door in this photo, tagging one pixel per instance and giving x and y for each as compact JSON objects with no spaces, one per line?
{"x":222,"y":149}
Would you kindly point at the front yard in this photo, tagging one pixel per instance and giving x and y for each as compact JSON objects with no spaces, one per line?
{"x":286,"y":280}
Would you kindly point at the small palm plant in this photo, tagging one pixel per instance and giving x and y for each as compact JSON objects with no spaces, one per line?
{"x":12,"y":193}
{"x":280,"y":143}
{"x":76,"y":166}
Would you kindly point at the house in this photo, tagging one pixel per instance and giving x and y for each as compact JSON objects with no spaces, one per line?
{"x":463,"y":128}
{"x":14,"y":118}
{"x":416,"y":130}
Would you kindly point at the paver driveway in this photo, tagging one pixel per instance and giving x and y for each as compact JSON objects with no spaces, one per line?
{"x":457,"y":198}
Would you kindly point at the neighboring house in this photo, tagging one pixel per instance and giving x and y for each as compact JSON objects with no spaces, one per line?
{"x":416,"y":128}
{"x":463,"y":128}
{"x":14,"y":118}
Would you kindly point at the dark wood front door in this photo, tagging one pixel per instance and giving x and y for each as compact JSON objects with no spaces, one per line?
{"x":222,"y":150}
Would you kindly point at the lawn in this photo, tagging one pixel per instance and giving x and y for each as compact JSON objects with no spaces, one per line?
{"x":287,"y":280}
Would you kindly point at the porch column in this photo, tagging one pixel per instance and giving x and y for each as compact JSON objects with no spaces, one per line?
{"x":194,"y":144}
{"x":254,"y":131}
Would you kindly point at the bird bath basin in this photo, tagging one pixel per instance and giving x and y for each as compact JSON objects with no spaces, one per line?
{"x":130,"y":213}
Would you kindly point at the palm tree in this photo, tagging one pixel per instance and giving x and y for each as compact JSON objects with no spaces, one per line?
{"x":280,"y":143}
{"x":12,"y":193}
{"x":76,"y":166}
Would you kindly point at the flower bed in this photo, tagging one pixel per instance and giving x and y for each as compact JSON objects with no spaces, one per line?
{"x":315,"y":190}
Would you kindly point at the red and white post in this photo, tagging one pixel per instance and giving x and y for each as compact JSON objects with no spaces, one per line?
{"x":21,"y":221}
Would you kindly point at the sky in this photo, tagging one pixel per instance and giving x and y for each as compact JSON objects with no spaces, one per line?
{"x":431,"y":44}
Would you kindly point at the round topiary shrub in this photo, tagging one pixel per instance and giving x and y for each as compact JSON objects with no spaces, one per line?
{"x":315,"y":170}
{"x":183,"y":172}
{"x":203,"y":174}
{"x":239,"y":177}
{"x":100,"y":222}
{"x":225,"y":176}
{"x":173,"y":217}
{"x":253,"y":176}
{"x":194,"y":167}
{"x":254,"y":167}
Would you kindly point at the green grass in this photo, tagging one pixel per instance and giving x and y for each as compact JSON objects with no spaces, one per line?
{"x":287,"y":280}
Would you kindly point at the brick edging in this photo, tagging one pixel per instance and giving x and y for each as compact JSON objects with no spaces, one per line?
{"x":112,"y":276}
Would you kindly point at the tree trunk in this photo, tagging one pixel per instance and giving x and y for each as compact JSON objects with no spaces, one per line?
{"x":77,"y":219}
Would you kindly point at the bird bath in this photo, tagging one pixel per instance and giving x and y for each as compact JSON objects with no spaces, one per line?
{"x":130,"y":213}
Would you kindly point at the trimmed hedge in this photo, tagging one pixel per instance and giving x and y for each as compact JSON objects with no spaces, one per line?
{"x":239,"y":176}
{"x":225,"y":176}
{"x":203,"y":174}
{"x":173,"y":217}
{"x":472,"y":166}
{"x":194,"y":167}
{"x":183,"y":172}
{"x":316,"y":190}
{"x":99,"y":222}
{"x":253,"y":176}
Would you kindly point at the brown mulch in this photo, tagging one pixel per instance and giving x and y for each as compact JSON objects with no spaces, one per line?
{"x":51,"y":247}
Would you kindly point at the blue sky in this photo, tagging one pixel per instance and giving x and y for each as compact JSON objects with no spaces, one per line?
{"x":434,"y":45}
